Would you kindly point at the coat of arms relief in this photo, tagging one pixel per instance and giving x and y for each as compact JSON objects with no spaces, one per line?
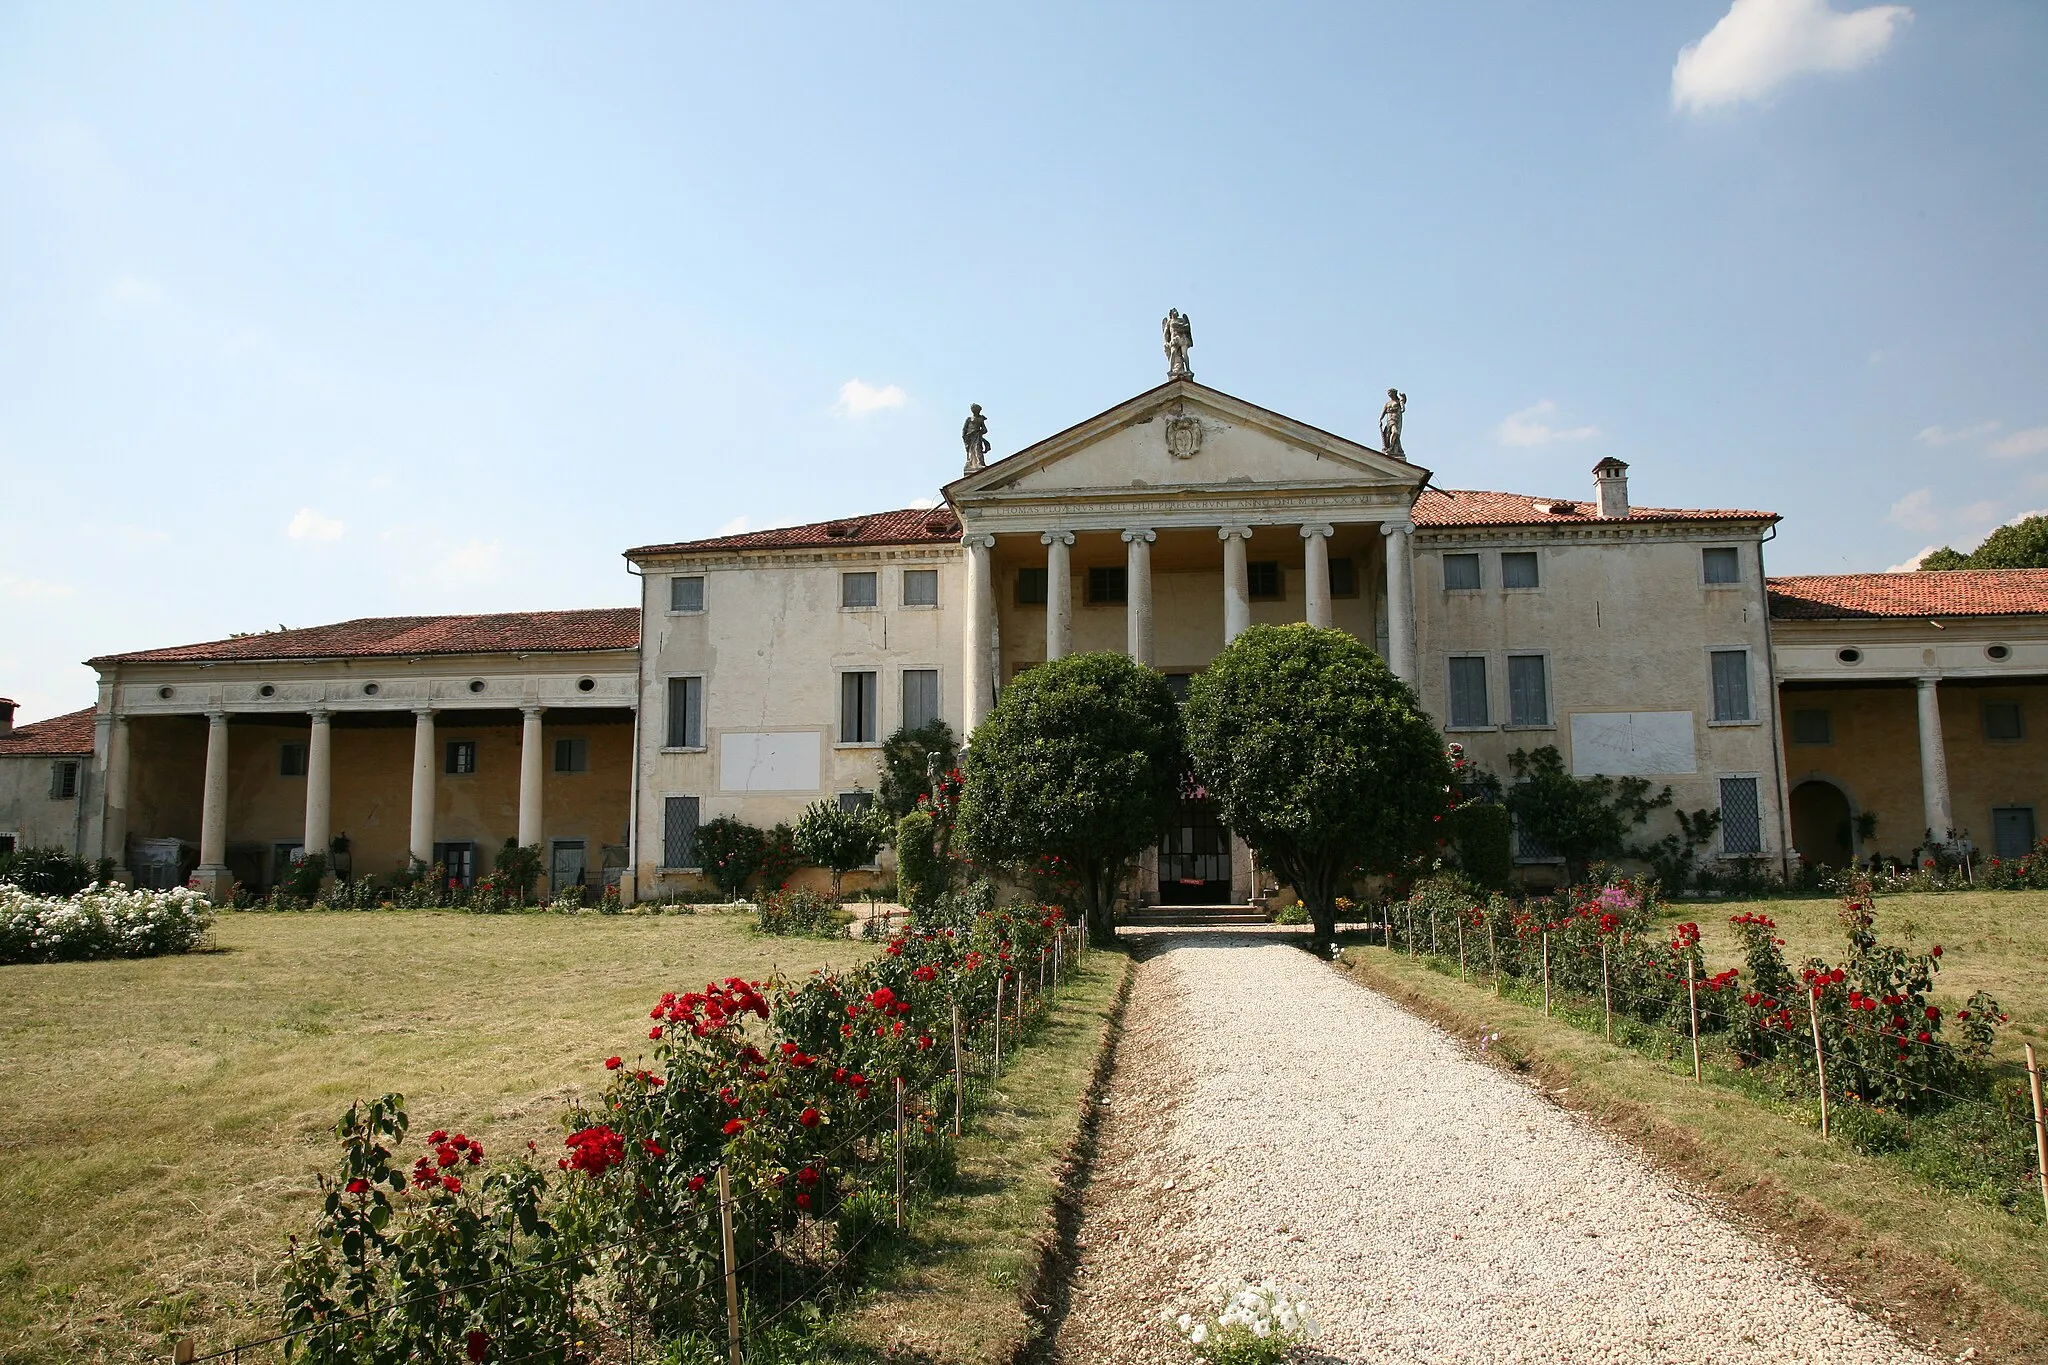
{"x":1183,"y":436}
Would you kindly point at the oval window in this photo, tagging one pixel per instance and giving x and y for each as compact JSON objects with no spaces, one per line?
{"x":476,"y":685}
{"x":1997,"y":653}
{"x":369,"y":689}
{"x":164,"y":692}
{"x":266,"y":691}
{"x":1849,"y":656}
{"x":586,"y":684}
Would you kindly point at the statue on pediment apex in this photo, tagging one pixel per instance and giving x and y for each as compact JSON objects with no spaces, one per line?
{"x":1179,"y":335}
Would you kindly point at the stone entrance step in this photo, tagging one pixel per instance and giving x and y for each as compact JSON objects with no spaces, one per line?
{"x":1192,"y":916}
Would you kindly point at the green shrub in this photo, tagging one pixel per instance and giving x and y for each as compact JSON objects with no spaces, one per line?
{"x":730,"y":851}
{"x":920,"y":870}
{"x":46,"y":871}
{"x":800,"y":913}
{"x":840,"y":838}
{"x":1480,"y":833}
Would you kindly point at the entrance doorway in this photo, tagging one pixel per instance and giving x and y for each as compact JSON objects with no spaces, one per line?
{"x":565,"y":865}
{"x":1820,"y":823}
{"x":1194,"y":858}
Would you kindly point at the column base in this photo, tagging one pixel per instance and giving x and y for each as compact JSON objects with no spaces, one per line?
{"x":627,"y":888}
{"x":217,"y":884}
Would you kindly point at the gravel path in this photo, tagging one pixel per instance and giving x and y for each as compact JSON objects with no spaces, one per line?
{"x":1269,"y":1117}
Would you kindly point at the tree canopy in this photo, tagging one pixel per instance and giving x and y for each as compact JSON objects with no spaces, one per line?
{"x":1081,"y":760}
{"x":2021,"y":545}
{"x":1577,"y":818}
{"x":907,"y":761}
{"x":1320,"y":758}
{"x":840,"y":838}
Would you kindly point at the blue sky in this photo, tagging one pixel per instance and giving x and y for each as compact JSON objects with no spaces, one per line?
{"x":318,"y":312}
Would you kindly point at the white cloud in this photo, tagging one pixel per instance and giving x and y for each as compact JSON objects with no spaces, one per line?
{"x":17,"y":589}
{"x":1527,"y":427}
{"x":1912,"y":565}
{"x":1760,"y":44}
{"x":1943,"y":436}
{"x":735,"y":527}
{"x":858,"y":398}
{"x":307,"y":524}
{"x":1917,"y":512}
{"x":475,"y":561}
{"x":2032,"y":441}
{"x":924,"y":504}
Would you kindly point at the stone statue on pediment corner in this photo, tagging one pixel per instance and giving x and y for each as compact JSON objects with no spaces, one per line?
{"x":1390,"y":423}
{"x":974,"y":436}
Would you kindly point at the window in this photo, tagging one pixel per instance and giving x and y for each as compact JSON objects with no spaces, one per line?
{"x":679,"y":831}
{"x":1108,"y":583}
{"x":1177,"y":683}
{"x":685,"y":713}
{"x":63,"y":781}
{"x":2012,"y":831}
{"x":1529,"y":848}
{"x":920,"y":697}
{"x":461,"y":756}
{"x":1528,"y":690}
{"x":458,"y":861}
{"x":291,"y":760}
{"x":686,"y":594}
{"x":572,"y":755}
{"x":1731,"y":684}
{"x":2002,"y":720}
{"x":1264,"y":580}
{"x":1343,"y":578}
{"x":1813,"y":727}
{"x":1742,"y":825}
{"x":1461,"y":573}
{"x":1720,"y":565}
{"x":856,"y":708}
{"x":1518,"y":569}
{"x":1468,"y":691}
{"x":1031,"y":587}
{"x":857,"y":589}
{"x":7,"y":842}
{"x":856,"y":800}
{"x":920,"y":587}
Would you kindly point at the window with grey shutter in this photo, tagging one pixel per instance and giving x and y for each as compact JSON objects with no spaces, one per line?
{"x":1468,"y":691}
{"x":291,"y":760}
{"x":572,"y":754}
{"x":1031,"y":587}
{"x":856,"y":800}
{"x":920,"y":587}
{"x":2012,"y":831}
{"x":1742,"y":826}
{"x":857,"y":708}
{"x":2002,"y":720}
{"x":1720,"y":564}
{"x":920,"y":697}
{"x":1731,"y":684}
{"x":857,"y":589}
{"x":63,"y":781}
{"x":1344,"y":577}
{"x":679,"y":831}
{"x":1461,"y":573}
{"x":685,"y":713}
{"x":1518,"y":569}
{"x":686,"y":593}
{"x":1528,"y":690}
{"x":1812,"y":727}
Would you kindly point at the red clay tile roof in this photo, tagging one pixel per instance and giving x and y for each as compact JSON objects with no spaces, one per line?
{"x":907,"y":526}
{"x":1943,"y":592}
{"x":60,"y":736}
{"x":521,"y":632}
{"x":1472,"y":507}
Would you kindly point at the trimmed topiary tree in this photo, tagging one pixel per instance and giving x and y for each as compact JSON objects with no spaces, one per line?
{"x":840,"y":838}
{"x":1321,"y":759}
{"x":1081,"y":759}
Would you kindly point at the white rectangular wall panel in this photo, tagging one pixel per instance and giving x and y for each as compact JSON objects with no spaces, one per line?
{"x":768,"y":761}
{"x":1633,"y":743}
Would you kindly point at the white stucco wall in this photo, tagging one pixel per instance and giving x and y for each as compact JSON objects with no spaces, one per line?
{"x":30,"y":814}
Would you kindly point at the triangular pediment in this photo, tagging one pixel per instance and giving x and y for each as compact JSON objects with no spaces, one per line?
{"x":1185,"y":437}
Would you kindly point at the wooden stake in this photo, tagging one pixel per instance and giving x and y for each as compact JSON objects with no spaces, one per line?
{"x":183,"y":1350}
{"x":1432,"y":931}
{"x":1546,"y":973}
{"x":732,"y":1277}
{"x":899,"y":1154}
{"x":1041,"y":971}
{"x":997,"y":1069}
{"x":1493,"y":956}
{"x":959,"y":1074}
{"x":1820,"y":1066}
{"x":1606,"y":992}
{"x":1461,"y":947}
{"x":1411,"y":931}
{"x":2040,"y":1132}
{"x":1057,"y":943}
{"x":1692,"y":999}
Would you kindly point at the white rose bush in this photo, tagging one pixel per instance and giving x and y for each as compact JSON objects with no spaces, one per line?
{"x":104,"y":921}
{"x":1242,"y":1323}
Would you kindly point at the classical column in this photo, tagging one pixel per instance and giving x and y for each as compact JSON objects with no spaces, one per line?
{"x":424,"y":772}
{"x":977,"y":667}
{"x":1237,"y":591}
{"x":530,"y":751}
{"x":1138,"y":594}
{"x":1400,"y":600}
{"x":212,"y":878}
{"x":1059,"y":593}
{"x":114,"y":838}
{"x":320,"y":785}
{"x":1933,"y":762}
{"x":1316,"y":555}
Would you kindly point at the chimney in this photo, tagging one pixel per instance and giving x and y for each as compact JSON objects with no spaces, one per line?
{"x":1610,"y":488}
{"x":6,"y":715}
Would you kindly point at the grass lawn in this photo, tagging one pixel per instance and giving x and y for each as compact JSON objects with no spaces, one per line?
{"x":160,"y":1120}
{"x":1990,"y":940}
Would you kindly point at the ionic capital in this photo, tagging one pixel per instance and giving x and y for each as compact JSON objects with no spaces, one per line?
{"x":1321,"y":528}
{"x":1396,"y":528}
{"x":1137,"y":533}
{"x":1062,"y":537}
{"x":1240,"y":532}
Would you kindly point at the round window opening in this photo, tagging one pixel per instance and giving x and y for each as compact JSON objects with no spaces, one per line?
{"x":266,"y":691}
{"x":586,"y":684}
{"x":165,"y":693}
{"x":1849,"y":656}
{"x":369,"y":689}
{"x":1998,"y":653}
{"x":476,"y":685}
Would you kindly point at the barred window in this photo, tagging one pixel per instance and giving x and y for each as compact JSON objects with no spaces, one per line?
{"x":679,"y":831}
{"x":1742,"y":826}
